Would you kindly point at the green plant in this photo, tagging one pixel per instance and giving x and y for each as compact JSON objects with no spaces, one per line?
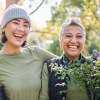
{"x":87,"y":73}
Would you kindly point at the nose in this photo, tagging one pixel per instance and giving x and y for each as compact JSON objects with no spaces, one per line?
{"x":21,"y":28}
{"x":73,"y":39}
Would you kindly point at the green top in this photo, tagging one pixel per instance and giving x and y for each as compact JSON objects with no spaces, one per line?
{"x":74,"y":92}
{"x":21,"y":73}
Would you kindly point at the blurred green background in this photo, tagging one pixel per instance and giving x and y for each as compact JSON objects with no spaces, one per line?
{"x":87,"y":10}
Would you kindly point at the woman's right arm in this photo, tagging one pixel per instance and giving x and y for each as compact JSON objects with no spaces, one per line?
{"x":44,"y":54}
{"x":44,"y":89}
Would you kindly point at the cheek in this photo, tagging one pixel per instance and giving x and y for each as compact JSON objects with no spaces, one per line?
{"x":82,"y":43}
{"x":63,"y":43}
{"x":8,"y":32}
{"x":26,"y":32}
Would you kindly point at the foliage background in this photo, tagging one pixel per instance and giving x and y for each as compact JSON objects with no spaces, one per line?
{"x":87,"y":10}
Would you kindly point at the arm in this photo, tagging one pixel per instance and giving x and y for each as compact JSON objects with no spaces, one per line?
{"x":45,"y":55}
{"x":44,"y":88}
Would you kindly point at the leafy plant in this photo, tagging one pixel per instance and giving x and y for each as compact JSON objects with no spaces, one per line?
{"x":87,"y":73}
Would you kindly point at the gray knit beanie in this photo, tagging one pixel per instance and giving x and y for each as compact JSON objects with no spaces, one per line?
{"x":12,"y":12}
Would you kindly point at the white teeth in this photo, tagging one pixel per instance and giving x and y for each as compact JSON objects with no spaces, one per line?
{"x":74,"y":47}
{"x":18,"y":35}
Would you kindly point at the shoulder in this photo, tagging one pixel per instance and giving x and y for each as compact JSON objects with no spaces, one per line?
{"x":31,"y":49}
{"x":54,"y":60}
{"x":37,"y":49}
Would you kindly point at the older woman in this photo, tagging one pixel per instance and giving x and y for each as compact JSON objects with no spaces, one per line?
{"x":72,"y":39}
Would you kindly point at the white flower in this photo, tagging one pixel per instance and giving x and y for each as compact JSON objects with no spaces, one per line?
{"x":60,"y":84}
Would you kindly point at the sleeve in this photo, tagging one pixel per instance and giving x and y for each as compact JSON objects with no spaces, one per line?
{"x":44,"y":88}
{"x":45,"y":55}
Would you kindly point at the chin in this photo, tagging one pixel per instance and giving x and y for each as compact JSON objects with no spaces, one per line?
{"x":18,"y":45}
{"x":74,"y":55}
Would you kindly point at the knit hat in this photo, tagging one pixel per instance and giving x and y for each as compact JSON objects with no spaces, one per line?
{"x":12,"y":12}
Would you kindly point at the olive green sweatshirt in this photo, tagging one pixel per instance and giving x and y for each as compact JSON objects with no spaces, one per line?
{"x":21,"y":73}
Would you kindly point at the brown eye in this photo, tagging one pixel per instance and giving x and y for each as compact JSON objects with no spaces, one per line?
{"x":68,"y":36}
{"x":26,"y":25}
{"x":80,"y":36}
{"x":15,"y":21}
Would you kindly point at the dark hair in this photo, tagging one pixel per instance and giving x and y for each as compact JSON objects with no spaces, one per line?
{"x":4,"y":39}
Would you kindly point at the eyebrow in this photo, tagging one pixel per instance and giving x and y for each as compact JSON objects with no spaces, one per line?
{"x":68,"y":33}
{"x":71,"y":33}
{"x":19,"y":20}
{"x":80,"y":33}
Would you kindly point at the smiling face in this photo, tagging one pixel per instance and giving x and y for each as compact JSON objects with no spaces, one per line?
{"x":72,"y":41}
{"x":16,"y":32}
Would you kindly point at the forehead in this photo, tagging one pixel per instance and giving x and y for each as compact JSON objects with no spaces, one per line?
{"x":20,"y":20}
{"x":73,"y":29}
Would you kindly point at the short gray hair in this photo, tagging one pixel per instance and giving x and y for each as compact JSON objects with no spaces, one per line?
{"x":71,"y":21}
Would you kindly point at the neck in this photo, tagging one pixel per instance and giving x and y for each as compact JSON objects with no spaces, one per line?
{"x":73,"y":59}
{"x":9,"y":49}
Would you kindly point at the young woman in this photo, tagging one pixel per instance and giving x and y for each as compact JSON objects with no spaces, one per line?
{"x":72,"y":39}
{"x":20,"y":68}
